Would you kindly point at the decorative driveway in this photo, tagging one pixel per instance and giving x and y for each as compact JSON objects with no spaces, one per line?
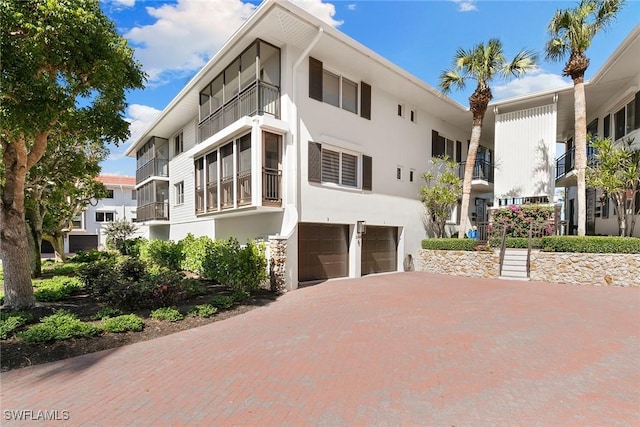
{"x":389,"y":350}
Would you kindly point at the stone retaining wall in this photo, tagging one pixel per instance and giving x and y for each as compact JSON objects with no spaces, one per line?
{"x":460,"y":263}
{"x":554,"y":267}
{"x":278,"y":264}
{"x":586,"y":269}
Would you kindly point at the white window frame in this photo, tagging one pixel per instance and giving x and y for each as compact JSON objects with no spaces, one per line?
{"x":179,"y":136}
{"x":104,"y":216}
{"x":400,"y":173}
{"x":342,"y":77}
{"x":82,"y":221}
{"x":613,"y":122}
{"x":178,"y":195}
{"x":412,"y":175}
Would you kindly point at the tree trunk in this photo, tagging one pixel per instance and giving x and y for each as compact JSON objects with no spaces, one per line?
{"x":18,"y":292}
{"x":34,"y":235}
{"x":57,"y":241}
{"x":580,"y":133}
{"x":468,"y":175}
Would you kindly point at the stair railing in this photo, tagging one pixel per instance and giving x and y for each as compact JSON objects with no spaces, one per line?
{"x":503,"y":245}
{"x":529,"y":248}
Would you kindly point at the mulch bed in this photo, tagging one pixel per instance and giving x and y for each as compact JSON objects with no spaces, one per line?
{"x":15,"y":353}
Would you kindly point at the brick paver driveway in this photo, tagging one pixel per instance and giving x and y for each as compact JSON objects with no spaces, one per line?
{"x":398,"y":349}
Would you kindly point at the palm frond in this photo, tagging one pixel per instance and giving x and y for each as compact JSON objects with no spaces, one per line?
{"x":451,"y":79}
{"x":525,"y":60}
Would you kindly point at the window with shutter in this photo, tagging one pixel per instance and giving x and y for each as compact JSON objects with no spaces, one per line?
{"x":330,"y":166}
{"x":437,"y":144}
{"x":458,"y":151}
{"x":349,"y":170}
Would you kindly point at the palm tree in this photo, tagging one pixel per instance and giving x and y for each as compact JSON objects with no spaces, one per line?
{"x":571,"y":32}
{"x":482,"y":64}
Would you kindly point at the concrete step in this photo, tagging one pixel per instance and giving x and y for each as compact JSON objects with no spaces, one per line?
{"x":514,"y":270}
{"x":514,"y":273}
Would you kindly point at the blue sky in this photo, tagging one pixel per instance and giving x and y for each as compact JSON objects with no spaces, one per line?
{"x":174,"y":39}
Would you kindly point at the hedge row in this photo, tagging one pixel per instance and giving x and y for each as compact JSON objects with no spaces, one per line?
{"x":592,"y":244}
{"x":587,"y":244}
{"x":448,"y":244}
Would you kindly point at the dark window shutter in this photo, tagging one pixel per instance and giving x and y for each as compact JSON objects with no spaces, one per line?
{"x":315,"y":162}
{"x":365,"y":101}
{"x":367,"y":173}
{"x":459,"y":214}
{"x":637,"y":110}
{"x":437,"y":145}
{"x":315,"y":79}
{"x":458,"y":151}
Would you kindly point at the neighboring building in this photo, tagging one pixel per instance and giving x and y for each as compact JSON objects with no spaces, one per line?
{"x":528,"y":129}
{"x":88,"y":232}
{"x":294,"y":130}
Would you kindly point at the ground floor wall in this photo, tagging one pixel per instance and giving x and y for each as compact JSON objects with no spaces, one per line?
{"x":554,"y":267}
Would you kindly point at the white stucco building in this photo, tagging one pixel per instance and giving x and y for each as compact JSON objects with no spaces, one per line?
{"x":295,"y":131}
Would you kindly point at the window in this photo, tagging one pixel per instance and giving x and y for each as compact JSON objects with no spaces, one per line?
{"x":77,"y":221}
{"x":627,"y":119}
{"x":399,"y":173}
{"x":606,"y":126}
{"x":109,"y":194}
{"x":414,"y":116}
{"x":178,"y":144}
{"x":199,"y":184}
{"x":134,"y":194}
{"x":334,"y":89}
{"x":400,"y":110}
{"x":105,"y":216}
{"x":411,"y":173}
{"x":450,"y":148}
{"x":179,"y":191}
{"x":337,"y":167}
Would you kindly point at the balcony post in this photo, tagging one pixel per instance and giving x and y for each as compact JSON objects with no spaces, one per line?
{"x":256,"y":164}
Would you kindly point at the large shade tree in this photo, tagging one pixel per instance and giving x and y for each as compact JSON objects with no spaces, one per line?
{"x":64,"y":69}
{"x":570,"y":33}
{"x":482,"y":64}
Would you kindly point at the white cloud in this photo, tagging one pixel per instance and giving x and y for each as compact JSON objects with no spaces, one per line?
{"x":139,"y":117}
{"x":321,"y":10}
{"x":535,"y":81}
{"x":125,"y":3}
{"x":187,"y":33}
{"x":466,"y":5}
{"x":352,"y":6}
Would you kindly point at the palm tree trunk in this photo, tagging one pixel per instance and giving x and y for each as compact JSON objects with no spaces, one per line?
{"x":468,"y":175}
{"x":580,"y":131}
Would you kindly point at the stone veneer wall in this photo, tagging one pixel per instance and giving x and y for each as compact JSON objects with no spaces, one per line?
{"x":586,"y":269}
{"x":460,"y":263}
{"x":278,"y":264}
{"x":554,"y":267}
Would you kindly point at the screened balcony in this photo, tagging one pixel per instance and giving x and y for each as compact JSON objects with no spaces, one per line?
{"x":152,"y":159}
{"x":249,"y":86}
{"x":228,"y":178}
{"x":153,"y":201}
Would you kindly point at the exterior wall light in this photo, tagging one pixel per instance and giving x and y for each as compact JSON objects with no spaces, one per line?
{"x":361,"y":227}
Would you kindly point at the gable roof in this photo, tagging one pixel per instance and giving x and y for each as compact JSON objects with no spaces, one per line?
{"x":107,"y":179}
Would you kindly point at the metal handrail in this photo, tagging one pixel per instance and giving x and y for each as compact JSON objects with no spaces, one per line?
{"x":503,"y":245}
{"x":482,"y":170}
{"x":529,"y":249}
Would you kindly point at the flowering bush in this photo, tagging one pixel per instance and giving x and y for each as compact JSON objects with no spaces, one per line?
{"x":520,"y":219}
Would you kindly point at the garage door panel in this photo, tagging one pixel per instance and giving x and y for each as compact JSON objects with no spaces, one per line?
{"x":323,"y":251}
{"x":379,"y":250}
{"x":82,"y":242}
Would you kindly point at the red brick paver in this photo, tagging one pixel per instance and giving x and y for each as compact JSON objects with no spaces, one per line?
{"x":398,"y":349}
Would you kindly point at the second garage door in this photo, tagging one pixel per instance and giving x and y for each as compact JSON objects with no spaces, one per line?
{"x":85,"y":242}
{"x":323,"y":251}
{"x":379,"y":250}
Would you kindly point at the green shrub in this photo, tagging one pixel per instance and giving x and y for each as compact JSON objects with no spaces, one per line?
{"x":107,"y":312}
{"x":163,"y":253}
{"x":445,"y":244}
{"x":93,"y":256}
{"x":57,"y":288}
{"x":515,"y":242}
{"x":170,"y":314}
{"x":124,"y":323}
{"x":193,"y":288}
{"x":240,"y":296}
{"x":62,"y":269}
{"x":133,"y":247}
{"x":59,"y":326}
{"x":203,"y":310}
{"x":197,"y":252}
{"x":592,"y":244}
{"x":9,"y":322}
{"x":222,"y":302}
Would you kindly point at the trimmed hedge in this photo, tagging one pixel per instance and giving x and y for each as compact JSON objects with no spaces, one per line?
{"x":592,"y":244}
{"x":515,"y":242}
{"x":449,"y":244}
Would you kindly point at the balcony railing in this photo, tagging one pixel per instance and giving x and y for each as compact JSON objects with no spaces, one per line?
{"x":226,"y":193}
{"x":244,"y":188}
{"x":533,"y":200}
{"x":212,"y":196}
{"x":482,"y":170}
{"x":259,"y":98}
{"x":271,"y":179}
{"x":154,"y":167}
{"x":158,"y":211}
{"x":567,"y":162}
